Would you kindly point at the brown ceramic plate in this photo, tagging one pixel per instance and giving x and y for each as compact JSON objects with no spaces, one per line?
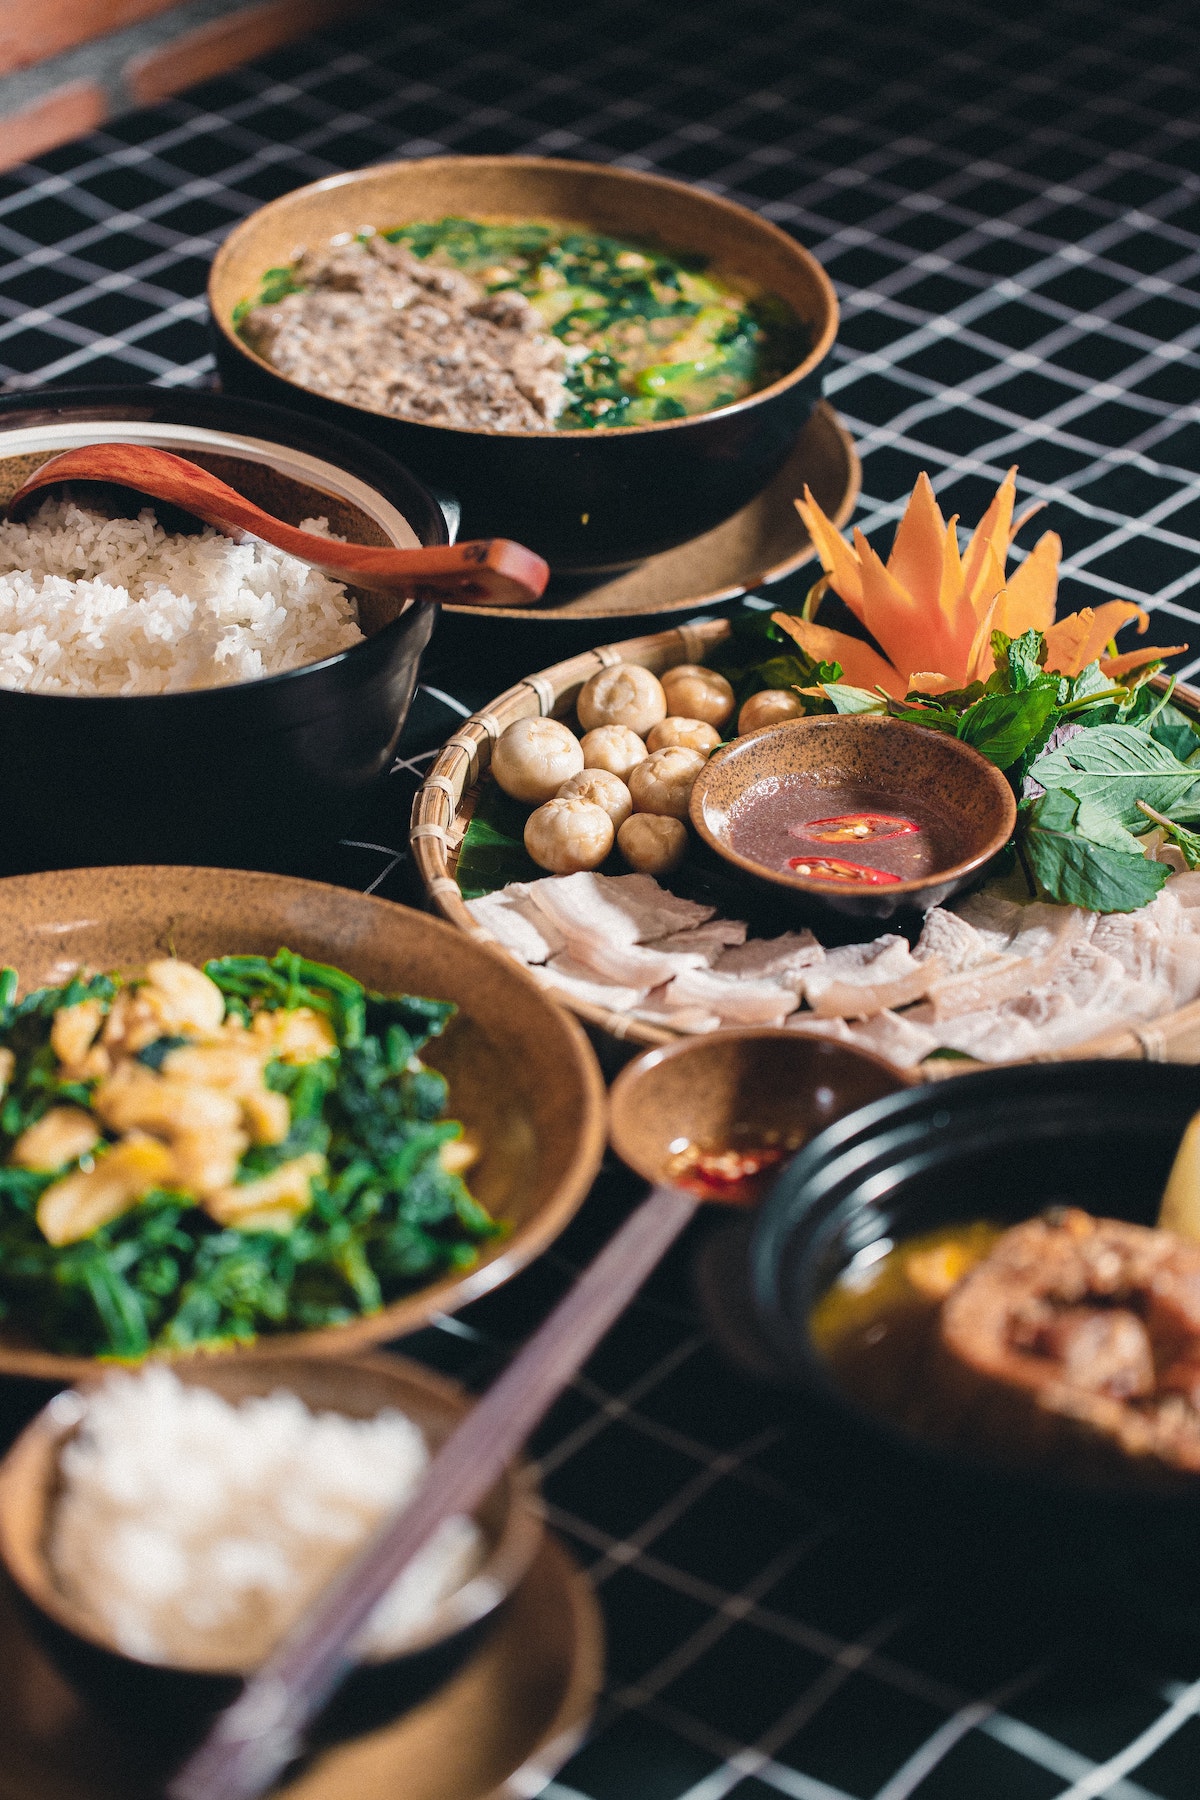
{"x":757,"y":546}
{"x":522,"y":1077}
{"x":889,"y":756}
{"x":498,"y":1731}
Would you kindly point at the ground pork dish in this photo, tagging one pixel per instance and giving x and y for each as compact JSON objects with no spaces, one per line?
{"x":526,"y":327}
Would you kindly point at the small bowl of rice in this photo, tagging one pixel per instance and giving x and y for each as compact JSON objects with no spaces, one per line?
{"x":170,"y":695}
{"x":165,"y":1528}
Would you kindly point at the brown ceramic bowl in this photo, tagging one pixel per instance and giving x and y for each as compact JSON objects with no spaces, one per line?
{"x":905,"y":762}
{"x":749,"y":1086}
{"x":522,"y":1077}
{"x":172,"y":1702}
{"x":585,"y":500}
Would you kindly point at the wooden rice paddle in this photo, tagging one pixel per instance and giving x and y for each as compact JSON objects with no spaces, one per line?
{"x":252,"y":1743}
{"x":489,"y":572}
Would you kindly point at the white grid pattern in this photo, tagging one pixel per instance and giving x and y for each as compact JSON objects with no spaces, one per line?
{"x":1010,"y":205}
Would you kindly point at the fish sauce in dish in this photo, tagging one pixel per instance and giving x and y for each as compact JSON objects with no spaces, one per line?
{"x":590,"y":331}
{"x":851,"y":835}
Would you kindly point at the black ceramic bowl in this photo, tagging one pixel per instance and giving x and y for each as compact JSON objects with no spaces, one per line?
{"x":999,"y":1145}
{"x":248,"y":774}
{"x":585,"y":500}
{"x":169,"y":1706}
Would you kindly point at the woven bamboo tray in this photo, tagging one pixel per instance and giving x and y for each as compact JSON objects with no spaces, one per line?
{"x":443,"y":806}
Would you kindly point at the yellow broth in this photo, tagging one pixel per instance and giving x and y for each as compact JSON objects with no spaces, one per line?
{"x":876,"y":1326}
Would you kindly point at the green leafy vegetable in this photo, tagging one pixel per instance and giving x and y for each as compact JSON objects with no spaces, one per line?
{"x":1116,"y":766}
{"x":846,"y":699}
{"x":386,"y":1213}
{"x":1003,"y":726}
{"x":1080,"y":871}
{"x":1187,"y":842}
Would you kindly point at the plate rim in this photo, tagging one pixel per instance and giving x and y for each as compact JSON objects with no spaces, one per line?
{"x":828,"y":419}
{"x":556,"y":1570}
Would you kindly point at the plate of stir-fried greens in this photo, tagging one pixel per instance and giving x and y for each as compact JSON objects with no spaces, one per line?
{"x":200,"y":1154}
{"x":207,"y":1154}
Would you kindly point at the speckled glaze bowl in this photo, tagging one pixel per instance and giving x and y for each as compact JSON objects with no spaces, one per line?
{"x":587,"y":501}
{"x":888,"y":755}
{"x":756,"y":1085}
{"x":522,"y":1078}
{"x":171,"y":1704}
{"x":256,"y":773}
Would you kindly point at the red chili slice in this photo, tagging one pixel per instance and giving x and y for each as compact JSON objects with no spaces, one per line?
{"x":855,"y":828}
{"x":730,"y":1175}
{"x":833,"y":868}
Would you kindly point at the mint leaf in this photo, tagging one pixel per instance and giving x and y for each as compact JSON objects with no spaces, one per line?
{"x":1002,"y":726}
{"x":1092,"y":822}
{"x":1118,"y":765}
{"x":1079,"y":871}
{"x":1175,"y":731}
{"x":854,"y":700}
{"x":1025,"y":657}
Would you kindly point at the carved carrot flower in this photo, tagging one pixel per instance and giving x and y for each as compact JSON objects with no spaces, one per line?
{"x":932,"y":609}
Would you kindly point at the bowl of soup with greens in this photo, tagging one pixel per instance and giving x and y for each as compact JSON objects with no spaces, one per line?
{"x":598,"y":362}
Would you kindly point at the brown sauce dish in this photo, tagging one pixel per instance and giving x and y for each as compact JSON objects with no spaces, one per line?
{"x":858,"y":817}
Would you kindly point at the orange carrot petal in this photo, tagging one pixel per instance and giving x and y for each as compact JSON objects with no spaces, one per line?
{"x":861,"y":666}
{"x":837,"y":558}
{"x":970,"y":628}
{"x":1027,"y":603}
{"x":992,"y":529}
{"x":1118,"y":666}
{"x":916,"y":559}
{"x":1067,"y":641}
{"x":980,"y":661}
{"x":1080,"y":638}
{"x":909,"y":634}
{"x":952,"y":574}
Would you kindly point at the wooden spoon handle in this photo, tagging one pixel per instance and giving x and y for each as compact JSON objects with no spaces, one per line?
{"x":251,"y":1744}
{"x":488,"y":572}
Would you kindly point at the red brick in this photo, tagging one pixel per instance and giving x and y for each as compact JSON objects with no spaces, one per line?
{"x":32,"y":31}
{"x":64,"y":114}
{"x":223,"y":44}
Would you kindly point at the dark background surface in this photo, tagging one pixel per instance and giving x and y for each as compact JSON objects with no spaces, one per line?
{"x":1009,"y":202}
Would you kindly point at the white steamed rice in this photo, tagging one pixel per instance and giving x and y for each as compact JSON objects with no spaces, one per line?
{"x":194,"y":1532}
{"x":93,"y":605}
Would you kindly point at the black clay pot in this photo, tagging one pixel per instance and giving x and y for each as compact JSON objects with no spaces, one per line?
{"x":588,"y":501}
{"x":999,"y":1145}
{"x":254,"y":773}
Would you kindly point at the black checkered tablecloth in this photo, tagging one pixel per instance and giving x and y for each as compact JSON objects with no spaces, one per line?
{"x":1009,"y":201}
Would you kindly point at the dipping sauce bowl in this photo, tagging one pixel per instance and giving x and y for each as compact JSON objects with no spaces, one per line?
{"x":866,"y":763}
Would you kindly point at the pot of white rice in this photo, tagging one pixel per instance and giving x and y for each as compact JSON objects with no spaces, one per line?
{"x":170,"y":695}
{"x":165,"y":1528}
